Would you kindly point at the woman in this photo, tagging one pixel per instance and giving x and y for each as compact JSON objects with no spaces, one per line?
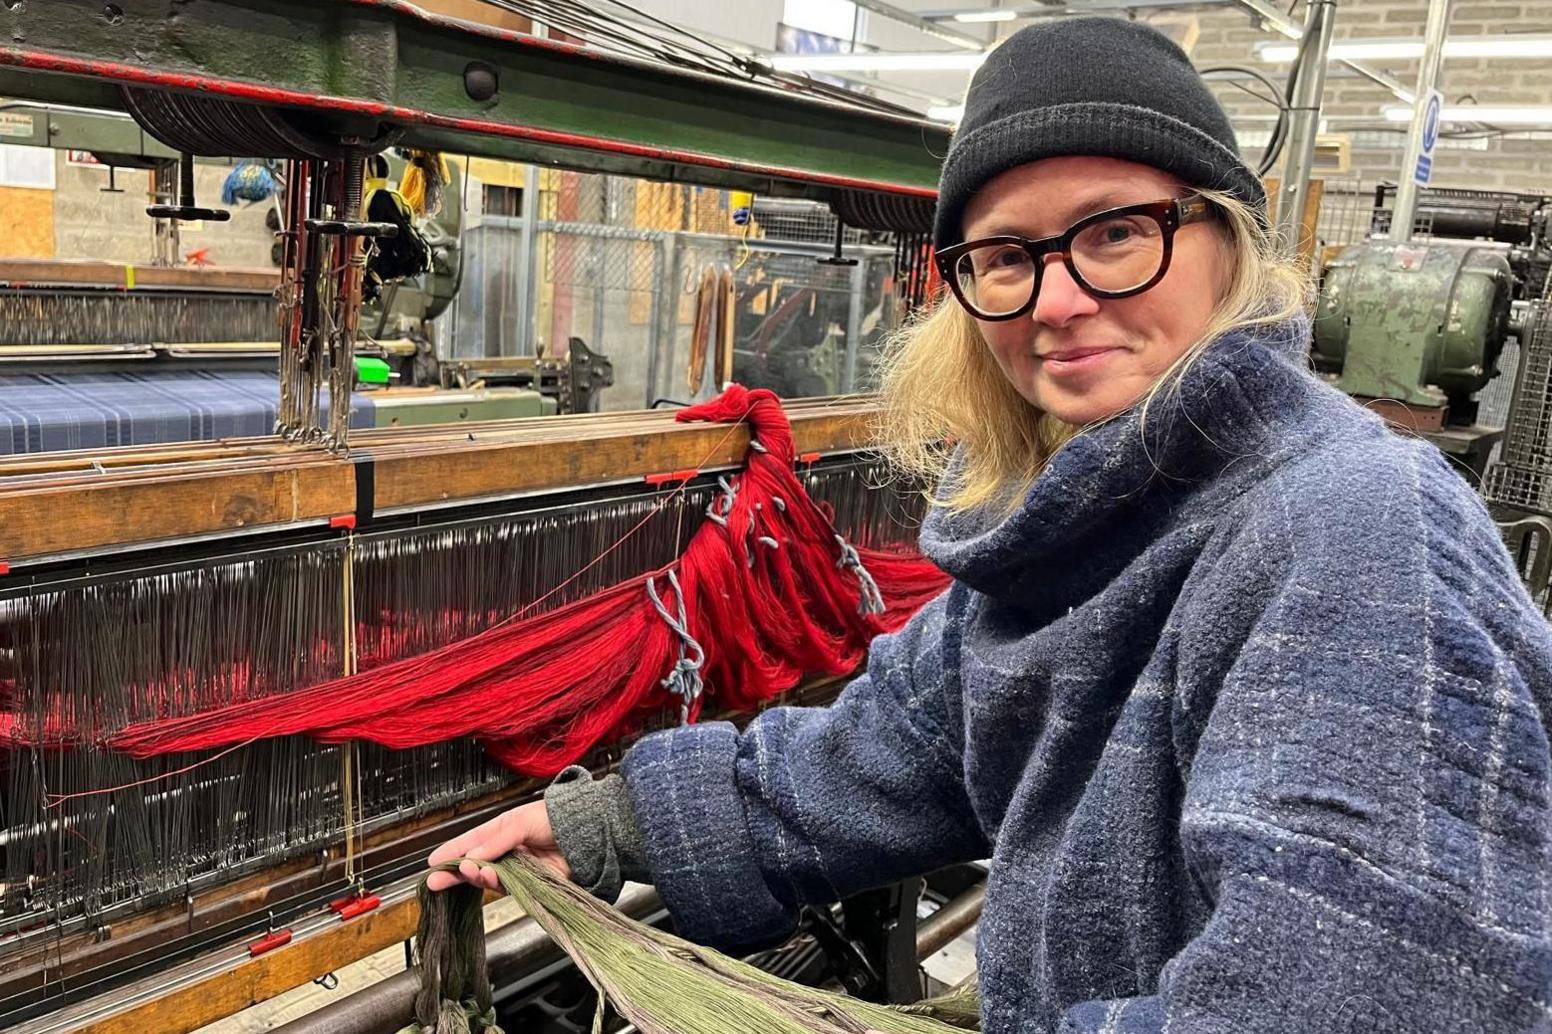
{"x":1238,"y":690}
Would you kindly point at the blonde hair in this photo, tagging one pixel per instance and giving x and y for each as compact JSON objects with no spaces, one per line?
{"x":940,"y":385}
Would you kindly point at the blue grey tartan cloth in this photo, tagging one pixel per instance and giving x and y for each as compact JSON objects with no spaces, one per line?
{"x":51,"y":412}
{"x":1246,"y":704}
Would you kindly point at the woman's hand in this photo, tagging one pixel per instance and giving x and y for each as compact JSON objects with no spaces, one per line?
{"x":525,"y":829}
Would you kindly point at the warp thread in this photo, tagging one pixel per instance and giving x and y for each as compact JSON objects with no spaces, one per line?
{"x":760,"y":619}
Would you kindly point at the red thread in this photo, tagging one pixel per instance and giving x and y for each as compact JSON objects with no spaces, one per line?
{"x":54,"y":800}
{"x":766,"y":596}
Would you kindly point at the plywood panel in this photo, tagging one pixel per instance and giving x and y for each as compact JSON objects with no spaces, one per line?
{"x":26,"y":223}
{"x":477,"y":11}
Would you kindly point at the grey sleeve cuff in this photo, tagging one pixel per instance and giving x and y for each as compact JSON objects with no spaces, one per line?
{"x":596,"y":831}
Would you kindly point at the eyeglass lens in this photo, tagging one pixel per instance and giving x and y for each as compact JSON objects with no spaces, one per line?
{"x":1113,"y":255}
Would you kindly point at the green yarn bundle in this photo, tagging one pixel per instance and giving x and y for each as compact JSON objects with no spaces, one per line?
{"x":660,"y":983}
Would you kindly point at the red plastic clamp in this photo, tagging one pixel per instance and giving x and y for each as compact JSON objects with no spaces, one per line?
{"x":353,"y":907}
{"x":674,"y":475}
{"x":269,"y":942}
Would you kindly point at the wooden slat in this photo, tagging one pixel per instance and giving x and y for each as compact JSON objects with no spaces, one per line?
{"x":45,"y":521}
{"x":257,"y":980}
{"x":62,"y":273}
{"x":77,"y":502}
{"x":473,"y":473}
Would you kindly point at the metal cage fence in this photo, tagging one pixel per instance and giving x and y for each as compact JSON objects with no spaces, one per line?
{"x":624,"y":279}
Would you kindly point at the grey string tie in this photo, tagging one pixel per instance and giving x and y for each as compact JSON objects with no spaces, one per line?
{"x":684,"y":679}
{"x":722,"y":504}
{"x":871,"y":601}
{"x":753,"y":532}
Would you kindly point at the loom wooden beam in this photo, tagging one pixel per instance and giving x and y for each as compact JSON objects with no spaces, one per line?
{"x":78,"y":503}
{"x":207,"y":992}
{"x":123,"y":277}
{"x":259,"y":979}
{"x":80,"y":956}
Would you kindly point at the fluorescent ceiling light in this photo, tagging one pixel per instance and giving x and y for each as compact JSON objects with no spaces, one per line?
{"x":932,"y":61}
{"x":1412,"y":50}
{"x":951,"y":113}
{"x":986,"y":16}
{"x":1525,"y":115}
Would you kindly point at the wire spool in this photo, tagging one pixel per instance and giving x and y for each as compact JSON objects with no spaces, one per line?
{"x":215,"y":127}
{"x":705,"y":326}
{"x":870,"y":210}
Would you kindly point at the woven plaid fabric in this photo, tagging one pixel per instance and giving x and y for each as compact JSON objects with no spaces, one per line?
{"x":50,"y":412}
{"x":1245,"y":703}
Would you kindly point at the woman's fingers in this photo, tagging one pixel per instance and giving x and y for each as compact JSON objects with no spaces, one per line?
{"x":466,"y":841}
{"x":521,"y":829}
{"x":442,"y":880}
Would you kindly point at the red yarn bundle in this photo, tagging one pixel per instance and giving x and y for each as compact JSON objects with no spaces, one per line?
{"x":765,"y":593}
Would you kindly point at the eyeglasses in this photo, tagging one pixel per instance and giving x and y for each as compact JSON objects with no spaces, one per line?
{"x":1112,"y":254}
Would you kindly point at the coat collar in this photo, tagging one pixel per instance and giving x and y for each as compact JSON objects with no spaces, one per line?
{"x":1244,"y":406}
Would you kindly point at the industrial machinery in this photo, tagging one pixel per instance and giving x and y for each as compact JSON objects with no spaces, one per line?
{"x":1425,"y":332}
{"x":1417,"y":329}
{"x":98,"y":334}
{"x":163,"y":894}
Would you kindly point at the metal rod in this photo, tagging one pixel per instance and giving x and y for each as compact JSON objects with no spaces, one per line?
{"x":512,"y":952}
{"x":1274,"y":17}
{"x":1304,"y":123}
{"x":1427,"y":76}
{"x":948,"y":922}
{"x":527,"y":269}
{"x":922,"y":25}
{"x":654,"y":322}
{"x":859,"y":282}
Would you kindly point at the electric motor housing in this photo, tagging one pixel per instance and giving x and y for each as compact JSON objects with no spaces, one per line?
{"x":1419,"y":323}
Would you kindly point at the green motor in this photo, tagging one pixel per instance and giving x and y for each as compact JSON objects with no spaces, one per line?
{"x":1421,"y":323}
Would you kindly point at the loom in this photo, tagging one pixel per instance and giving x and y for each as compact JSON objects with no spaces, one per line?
{"x":152,"y":334}
{"x":147,"y":581}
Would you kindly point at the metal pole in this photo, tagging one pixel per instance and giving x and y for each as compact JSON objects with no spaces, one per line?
{"x":527,"y":263}
{"x":1272,"y":15}
{"x":654,"y":327}
{"x":662,"y":358}
{"x":859,"y":282}
{"x":948,"y":922}
{"x":1304,"y":119}
{"x":1427,"y":76}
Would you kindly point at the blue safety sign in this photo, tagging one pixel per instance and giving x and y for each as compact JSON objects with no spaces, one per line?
{"x":1433,"y":112}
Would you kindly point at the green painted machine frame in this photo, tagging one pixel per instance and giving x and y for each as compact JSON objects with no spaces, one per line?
{"x":1419,"y":324}
{"x":355,"y":66}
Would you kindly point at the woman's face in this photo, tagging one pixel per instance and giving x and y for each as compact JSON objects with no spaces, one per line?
{"x":1077,"y":357}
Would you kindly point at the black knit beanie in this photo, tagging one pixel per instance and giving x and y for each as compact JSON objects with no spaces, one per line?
{"x":1089,"y":86}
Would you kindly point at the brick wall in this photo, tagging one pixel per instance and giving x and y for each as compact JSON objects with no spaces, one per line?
{"x":1353,"y":104}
